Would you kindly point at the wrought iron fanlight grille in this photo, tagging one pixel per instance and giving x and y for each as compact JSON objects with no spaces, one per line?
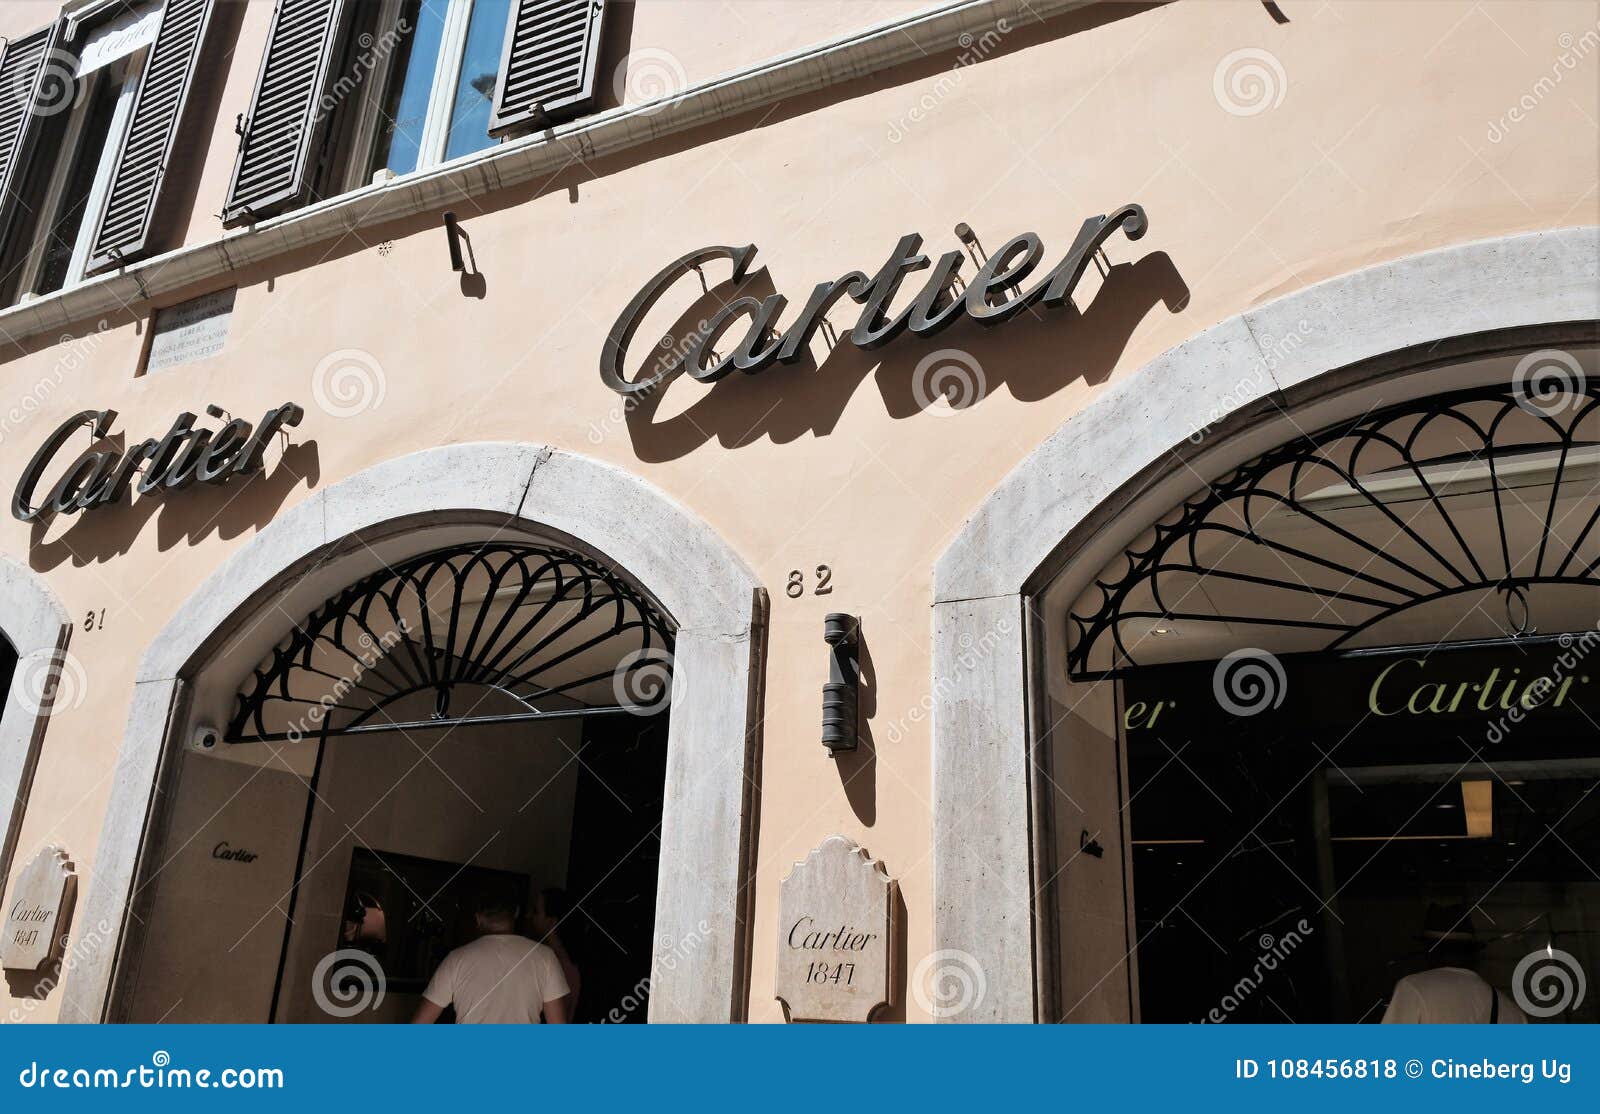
{"x":557,"y":632}
{"x":1316,"y":544}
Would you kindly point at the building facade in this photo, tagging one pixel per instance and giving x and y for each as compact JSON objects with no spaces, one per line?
{"x":1128,"y":467}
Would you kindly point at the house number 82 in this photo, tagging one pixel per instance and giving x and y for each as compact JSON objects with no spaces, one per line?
{"x":797,"y":583}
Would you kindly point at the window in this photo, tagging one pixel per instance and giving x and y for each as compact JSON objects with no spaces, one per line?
{"x":350,"y":92}
{"x":434,"y":65}
{"x":79,"y":180}
{"x":64,"y":193}
{"x":86,"y":144}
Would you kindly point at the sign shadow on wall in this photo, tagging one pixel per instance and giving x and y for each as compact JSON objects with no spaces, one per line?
{"x":1038,"y":353}
{"x":241,"y":506}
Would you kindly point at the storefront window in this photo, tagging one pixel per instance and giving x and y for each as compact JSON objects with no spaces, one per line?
{"x":1332,"y":721}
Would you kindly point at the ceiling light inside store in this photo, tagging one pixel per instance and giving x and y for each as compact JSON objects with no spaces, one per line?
{"x":1467,"y":475}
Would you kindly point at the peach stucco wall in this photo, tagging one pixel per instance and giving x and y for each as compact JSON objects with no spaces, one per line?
{"x":1377,"y":138}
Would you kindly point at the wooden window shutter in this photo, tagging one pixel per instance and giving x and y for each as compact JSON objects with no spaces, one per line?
{"x":547,"y":67}
{"x":158,"y":107}
{"x":28,"y":64}
{"x":273,"y":170}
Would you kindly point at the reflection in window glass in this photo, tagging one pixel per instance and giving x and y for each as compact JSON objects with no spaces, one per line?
{"x":61,"y":234}
{"x":480,"y":69}
{"x":405,"y":107}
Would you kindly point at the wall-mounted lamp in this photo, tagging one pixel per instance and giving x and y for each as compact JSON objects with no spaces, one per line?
{"x":454,"y":234}
{"x":840,"y":695}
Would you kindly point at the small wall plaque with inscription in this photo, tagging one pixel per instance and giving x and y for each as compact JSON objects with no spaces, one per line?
{"x":835,"y":925}
{"x":190,"y":331}
{"x":36,"y":908}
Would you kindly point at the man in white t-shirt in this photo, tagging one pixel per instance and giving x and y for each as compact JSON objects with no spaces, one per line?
{"x":498,"y":979}
{"x":1451,"y":993}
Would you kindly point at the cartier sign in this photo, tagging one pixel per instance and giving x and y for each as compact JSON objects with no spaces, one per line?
{"x":185,"y":454}
{"x":991,"y":296}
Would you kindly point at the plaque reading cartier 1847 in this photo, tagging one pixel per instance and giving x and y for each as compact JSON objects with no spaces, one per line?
{"x":36,"y":909}
{"x":835,"y":927}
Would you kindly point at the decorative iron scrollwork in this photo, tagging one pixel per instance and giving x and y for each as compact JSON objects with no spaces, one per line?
{"x":557,"y":631}
{"x":1481,"y":490}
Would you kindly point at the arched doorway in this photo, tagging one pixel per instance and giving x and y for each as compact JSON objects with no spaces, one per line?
{"x":34,"y":631}
{"x":1352,"y":732}
{"x":1330,"y":353}
{"x":489,"y":715}
{"x":502,"y":559}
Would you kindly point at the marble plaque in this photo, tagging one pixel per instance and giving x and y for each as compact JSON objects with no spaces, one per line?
{"x":36,"y":909}
{"x":835,"y":927}
{"x":190,"y":331}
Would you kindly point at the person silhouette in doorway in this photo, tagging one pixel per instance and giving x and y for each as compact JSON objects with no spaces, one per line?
{"x":501,"y":978}
{"x":1451,"y":991}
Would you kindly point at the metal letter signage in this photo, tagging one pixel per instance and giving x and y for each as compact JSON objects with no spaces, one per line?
{"x":835,"y":927}
{"x":182,"y":456}
{"x":990,"y":297}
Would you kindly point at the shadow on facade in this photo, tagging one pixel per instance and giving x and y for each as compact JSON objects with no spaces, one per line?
{"x":1032,"y":357}
{"x":227,"y":511}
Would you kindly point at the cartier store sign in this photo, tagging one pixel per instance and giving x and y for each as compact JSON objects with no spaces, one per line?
{"x":184,"y":455}
{"x":993,"y":295}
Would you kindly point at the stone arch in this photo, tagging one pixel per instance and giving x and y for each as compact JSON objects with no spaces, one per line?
{"x":1136,"y":450}
{"x":35,"y":623}
{"x":715,"y":602}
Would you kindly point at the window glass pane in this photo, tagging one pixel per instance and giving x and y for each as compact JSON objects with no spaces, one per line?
{"x":61,"y":234}
{"x":480,"y":69}
{"x":405,"y":106}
